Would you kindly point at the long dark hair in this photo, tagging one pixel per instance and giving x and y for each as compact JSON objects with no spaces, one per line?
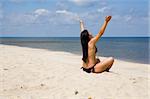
{"x":84,"y":37}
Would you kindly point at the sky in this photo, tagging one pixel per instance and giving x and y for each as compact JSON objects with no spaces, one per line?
{"x":59,"y":18}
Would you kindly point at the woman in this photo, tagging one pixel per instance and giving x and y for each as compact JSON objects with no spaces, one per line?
{"x":88,"y":42}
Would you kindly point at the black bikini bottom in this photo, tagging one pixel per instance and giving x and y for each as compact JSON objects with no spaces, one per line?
{"x":89,"y":70}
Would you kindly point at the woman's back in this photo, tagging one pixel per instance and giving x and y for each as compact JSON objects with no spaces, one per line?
{"x":91,"y":54}
{"x":90,"y":63}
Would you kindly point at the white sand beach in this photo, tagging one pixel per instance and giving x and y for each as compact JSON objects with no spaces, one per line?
{"x":28,"y":73}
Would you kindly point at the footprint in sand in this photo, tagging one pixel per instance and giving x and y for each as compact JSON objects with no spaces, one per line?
{"x":5,"y":69}
{"x":133,"y":80}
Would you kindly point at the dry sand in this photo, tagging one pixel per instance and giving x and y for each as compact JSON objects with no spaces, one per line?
{"x":27,"y":73}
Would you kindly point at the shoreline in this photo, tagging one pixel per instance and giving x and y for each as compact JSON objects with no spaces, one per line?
{"x":77,"y":54}
{"x":120,"y":48}
{"x":33,"y":73}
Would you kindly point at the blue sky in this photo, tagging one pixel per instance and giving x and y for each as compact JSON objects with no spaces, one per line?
{"x":58,"y":18}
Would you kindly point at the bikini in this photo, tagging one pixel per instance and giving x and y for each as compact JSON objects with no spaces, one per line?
{"x":89,"y":70}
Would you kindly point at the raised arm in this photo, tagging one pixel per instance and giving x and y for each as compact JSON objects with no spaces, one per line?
{"x":102,"y":30}
{"x":81,"y":26}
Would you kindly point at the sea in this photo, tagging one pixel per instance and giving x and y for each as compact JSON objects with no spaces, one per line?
{"x":132,"y":49}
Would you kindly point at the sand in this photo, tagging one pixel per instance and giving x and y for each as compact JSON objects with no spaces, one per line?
{"x":28,"y":73}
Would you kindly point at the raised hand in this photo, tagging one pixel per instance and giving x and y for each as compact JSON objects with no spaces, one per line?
{"x":81,"y":21}
{"x":81,"y":25}
{"x":107,"y":18}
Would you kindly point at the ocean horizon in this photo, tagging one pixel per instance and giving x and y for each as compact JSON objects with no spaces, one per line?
{"x":133,"y":49}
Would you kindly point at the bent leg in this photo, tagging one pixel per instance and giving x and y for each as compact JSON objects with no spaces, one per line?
{"x":105,"y":65}
{"x":111,"y":59}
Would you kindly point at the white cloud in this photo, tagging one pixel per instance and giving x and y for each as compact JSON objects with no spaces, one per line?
{"x":103,"y":9}
{"x":36,"y":17}
{"x":68,"y":14}
{"x":62,"y":11}
{"x":40,"y":12}
{"x":43,"y":16}
{"x":82,"y":2}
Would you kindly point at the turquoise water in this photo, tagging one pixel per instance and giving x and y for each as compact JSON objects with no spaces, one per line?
{"x":134,"y":49}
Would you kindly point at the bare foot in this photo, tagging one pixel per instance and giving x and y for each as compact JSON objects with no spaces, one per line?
{"x":107,"y":70}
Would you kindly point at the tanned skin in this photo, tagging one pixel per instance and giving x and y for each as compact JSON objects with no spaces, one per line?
{"x":104,"y":65}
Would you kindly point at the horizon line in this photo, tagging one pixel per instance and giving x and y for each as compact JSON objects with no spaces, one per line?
{"x":64,"y":36}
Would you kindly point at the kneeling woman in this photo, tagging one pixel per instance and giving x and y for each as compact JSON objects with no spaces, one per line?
{"x":88,"y":42}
